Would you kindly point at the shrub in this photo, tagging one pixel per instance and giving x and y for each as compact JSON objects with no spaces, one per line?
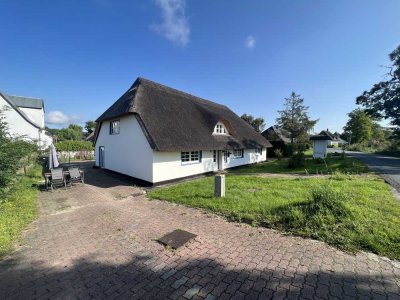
{"x":74,"y":146}
{"x":278,"y":154}
{"x":297,"y":160}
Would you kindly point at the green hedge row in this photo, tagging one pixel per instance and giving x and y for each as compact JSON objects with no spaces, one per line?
{"x":74,"y":146}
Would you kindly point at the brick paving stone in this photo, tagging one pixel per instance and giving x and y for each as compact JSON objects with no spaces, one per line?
{"x":98,"y":241}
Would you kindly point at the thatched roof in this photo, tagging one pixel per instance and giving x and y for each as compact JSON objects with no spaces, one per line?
{"x":274,"y":133}
{"x":176,"y":121}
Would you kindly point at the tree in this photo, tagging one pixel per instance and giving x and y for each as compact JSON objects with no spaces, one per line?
{"x":359,"y":126}
{"x":294,"y":119}
{"x":90,"y":126}
{"x":72,"y":132}
{"x":257,"y":123}
{"x":383,"y":99}
{"x":13,"y":155}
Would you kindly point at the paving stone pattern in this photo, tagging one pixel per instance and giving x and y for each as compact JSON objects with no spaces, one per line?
{"x":97,"y":241}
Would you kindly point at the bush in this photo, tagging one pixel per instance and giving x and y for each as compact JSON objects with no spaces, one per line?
{"x":297,"y":160}
{"x":74,"y":146}
{"x":323,"y":216}
{"x":15,"y":153}
{"x":278,"y":154}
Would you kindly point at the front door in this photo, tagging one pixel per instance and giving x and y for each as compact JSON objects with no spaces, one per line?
{"x":101,"y":156}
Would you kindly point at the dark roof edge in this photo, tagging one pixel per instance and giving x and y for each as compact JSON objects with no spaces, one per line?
{"x":21,"y":113}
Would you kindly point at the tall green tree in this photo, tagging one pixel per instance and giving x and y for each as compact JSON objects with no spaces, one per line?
{"x":383,"y":99}
{"x":294,"y":119}
{"x":90,"y":126}
{"x":359,"y":127}
{"x":257,"y":123}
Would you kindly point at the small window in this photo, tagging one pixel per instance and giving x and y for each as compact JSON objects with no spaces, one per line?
{"x":258,"y":151}
{"x":191,"y":157}
{"x":238,"y":153}
{"x":220,"y":129}
{"x":215,"y":156}
{"x":114,"y":127}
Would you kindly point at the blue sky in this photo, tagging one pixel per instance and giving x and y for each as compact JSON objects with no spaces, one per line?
{"x":81,"y":55}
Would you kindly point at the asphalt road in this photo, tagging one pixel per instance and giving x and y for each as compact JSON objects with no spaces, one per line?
{"x":386,"y":166}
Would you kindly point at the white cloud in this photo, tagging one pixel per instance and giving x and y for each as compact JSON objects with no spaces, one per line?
{"x":57,"y":117}
{"x":250,"y":42}
{"x":175,"y":25}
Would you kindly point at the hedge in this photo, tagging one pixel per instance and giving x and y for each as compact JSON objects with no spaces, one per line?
{"x":74,"y":146}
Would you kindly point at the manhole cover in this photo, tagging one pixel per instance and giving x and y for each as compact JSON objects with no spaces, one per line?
{"x":176,"y":238}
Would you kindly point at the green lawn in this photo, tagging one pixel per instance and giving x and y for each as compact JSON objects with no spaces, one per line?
{"x":349,"y":212}
{"x":18,"y":209}
{"x":313,"y":166}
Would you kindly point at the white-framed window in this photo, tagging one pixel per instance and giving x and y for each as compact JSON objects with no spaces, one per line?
{"x":258,"y":151}
{"x":238,"y":153}
{"x":215,"y":156}
{"x":220,"y":129}
{"x":190,"y":157}
{"x":114,"y":127}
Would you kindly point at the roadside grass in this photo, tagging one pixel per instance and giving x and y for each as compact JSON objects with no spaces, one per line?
{"x":18,"y":209}
{"x":347,"y":211}
{"x":313,"y":166}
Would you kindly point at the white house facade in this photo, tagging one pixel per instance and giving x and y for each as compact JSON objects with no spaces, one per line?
{"x":151,"y":143}
{"x":25,"y":118}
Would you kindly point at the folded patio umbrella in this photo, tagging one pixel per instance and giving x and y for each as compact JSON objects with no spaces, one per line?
{"x":53,"y":160}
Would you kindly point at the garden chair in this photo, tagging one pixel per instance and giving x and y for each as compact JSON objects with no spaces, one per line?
{"x":57,"y":178}
{"x":75,"y":176}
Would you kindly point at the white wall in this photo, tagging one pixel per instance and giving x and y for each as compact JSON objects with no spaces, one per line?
{"x":168,"y":165}
{"x":128,"y":152}
{"x":35,"y":114}
{"x":17,"y":125}
{"x":249,"y":157}
{"x":320,"y":149}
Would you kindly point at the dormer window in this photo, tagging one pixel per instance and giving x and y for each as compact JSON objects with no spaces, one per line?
{"x":220,"y":129}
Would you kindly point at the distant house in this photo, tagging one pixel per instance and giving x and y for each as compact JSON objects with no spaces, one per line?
{"x":157,"y":134}
{"x":25,"y":118}
{"x":335,"y":139}
{"x":278,"y":138}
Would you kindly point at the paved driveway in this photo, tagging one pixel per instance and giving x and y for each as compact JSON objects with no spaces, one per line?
{"x":97,"y":241}
{"x":386,"y":166}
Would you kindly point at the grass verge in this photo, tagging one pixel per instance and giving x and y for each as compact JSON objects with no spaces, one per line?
{"x":349,"y":212}
{"x":18,"y":209}
{"x":313,"y":166}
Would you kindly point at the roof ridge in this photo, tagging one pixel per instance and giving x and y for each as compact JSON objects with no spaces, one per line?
{"x":34,"y":98}
{"x":179,"y":92}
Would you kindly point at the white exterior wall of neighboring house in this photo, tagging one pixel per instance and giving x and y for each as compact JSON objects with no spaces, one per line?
{"x":18,"y":126}
{"x":127,"y":152}
{"x":35,"y":114}
{"x":320,"y":148}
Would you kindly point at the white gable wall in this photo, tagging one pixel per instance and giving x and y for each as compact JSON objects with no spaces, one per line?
{"x":17,"y":125}
{"x":35,"y":114}
{"x":128,"y":152}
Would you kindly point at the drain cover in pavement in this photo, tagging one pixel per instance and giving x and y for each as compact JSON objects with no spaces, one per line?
{"x":176,"y":238}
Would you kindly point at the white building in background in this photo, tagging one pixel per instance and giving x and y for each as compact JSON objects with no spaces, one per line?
{"x":25,"y":118}
{"x":156,"y":133}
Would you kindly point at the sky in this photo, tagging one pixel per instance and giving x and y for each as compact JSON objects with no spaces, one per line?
{"x":80,"y":56}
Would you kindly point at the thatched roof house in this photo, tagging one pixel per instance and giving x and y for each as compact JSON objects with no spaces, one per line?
{"x":173,"y":134}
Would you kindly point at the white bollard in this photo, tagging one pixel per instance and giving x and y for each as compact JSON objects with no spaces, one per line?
{"x":219,"y":182}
